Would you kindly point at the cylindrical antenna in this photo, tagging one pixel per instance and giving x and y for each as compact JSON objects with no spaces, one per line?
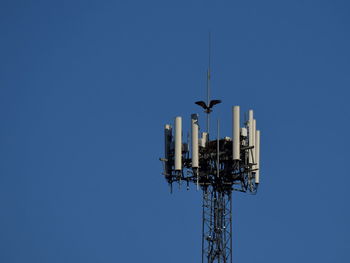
{"x":167,"y":138}
{"x":178,"y":143}
{"x":204,"y":139}
{"x":257,"y":154}
{"x":250,"y":134}
{"x":194,"y":128}
{"x":236,"y":133}
{"x":254,"y":136}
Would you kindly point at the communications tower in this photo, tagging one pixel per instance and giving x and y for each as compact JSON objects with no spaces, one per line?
{"x":217,"y":166}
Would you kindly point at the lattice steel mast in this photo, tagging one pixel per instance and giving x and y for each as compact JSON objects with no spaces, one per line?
{"x":218,"y":167}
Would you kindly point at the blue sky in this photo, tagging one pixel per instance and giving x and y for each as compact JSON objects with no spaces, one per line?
{"x":86,"y":87}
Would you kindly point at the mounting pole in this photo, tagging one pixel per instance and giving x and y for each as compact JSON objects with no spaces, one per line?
{"x":218,"y":151}
{"x":208,"y":83}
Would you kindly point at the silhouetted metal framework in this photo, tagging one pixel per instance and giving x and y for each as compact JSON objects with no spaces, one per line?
{"x":217,"y":226}
{"x":217,"y":176}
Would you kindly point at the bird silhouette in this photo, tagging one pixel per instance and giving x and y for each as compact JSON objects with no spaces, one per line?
{"x":208,"y":109}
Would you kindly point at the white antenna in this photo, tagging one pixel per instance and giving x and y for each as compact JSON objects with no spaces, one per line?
{"x":236,"y":133}
{"x":178,"y":144}
{"x":257,"y":154}
{"x":253,"y":137}
{"x":250,"y":134}
{"x":194,"y":128}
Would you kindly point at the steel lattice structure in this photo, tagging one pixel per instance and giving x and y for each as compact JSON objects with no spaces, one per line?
{"x":218,"y":167}
{"x":217,"y":226}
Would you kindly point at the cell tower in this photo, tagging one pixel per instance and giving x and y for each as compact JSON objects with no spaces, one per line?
{"x":217,"y":167}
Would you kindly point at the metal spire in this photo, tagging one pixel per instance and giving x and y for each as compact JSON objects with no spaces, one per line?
{"x":208,"y":81}
{"x":210,"y":103}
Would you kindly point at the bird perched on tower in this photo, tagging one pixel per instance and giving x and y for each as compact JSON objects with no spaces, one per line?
{"x":208,"y":109}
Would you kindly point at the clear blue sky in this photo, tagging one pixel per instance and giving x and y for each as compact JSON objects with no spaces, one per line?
{"x":86,"y":87}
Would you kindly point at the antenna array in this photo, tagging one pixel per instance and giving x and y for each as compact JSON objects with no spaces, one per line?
{"x":218,"y":167}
